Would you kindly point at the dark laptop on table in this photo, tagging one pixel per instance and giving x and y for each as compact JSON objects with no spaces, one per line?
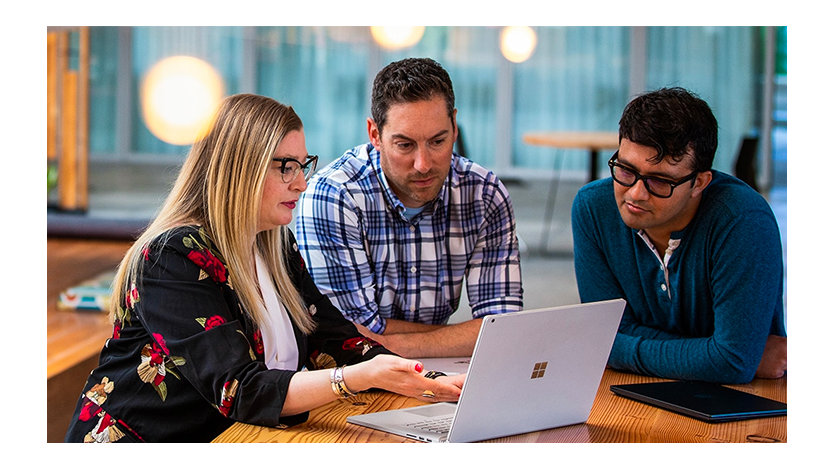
{"x":709,"y":402}
{"x":531,"y":370}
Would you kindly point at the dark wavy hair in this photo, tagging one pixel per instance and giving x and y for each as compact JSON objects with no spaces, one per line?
{"x":407,"y":81}
{"x":673,"y":121}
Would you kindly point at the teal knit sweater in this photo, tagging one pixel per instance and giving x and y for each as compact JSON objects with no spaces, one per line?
{"x":707,"y":315}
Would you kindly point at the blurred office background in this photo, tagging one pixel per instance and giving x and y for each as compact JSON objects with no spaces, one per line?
{"x":550,"y":79}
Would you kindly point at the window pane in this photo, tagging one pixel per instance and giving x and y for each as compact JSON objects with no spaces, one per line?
{"x":221,"y":47}
{"x":104,"y":53}
{"x":576,"y":80}
{"x":718,"y":64}
{"x":322,"y":72}
{"x":470,"y":56}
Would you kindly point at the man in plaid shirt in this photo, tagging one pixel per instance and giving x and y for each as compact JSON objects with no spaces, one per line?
{"x":391,"y":229}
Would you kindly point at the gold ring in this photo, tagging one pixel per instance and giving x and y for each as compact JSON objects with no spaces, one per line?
{"x":428,"y":394}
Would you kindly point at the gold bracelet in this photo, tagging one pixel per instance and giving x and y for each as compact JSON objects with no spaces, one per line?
{"x":337,"y":383}
{"x":333,"y":385}
{"x":340,"y":381}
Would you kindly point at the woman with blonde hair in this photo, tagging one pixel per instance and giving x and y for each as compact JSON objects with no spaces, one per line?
{"x":214,"y":312}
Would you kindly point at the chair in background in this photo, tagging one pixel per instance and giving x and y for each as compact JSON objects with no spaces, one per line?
{"x":460,"y":148}
{"x":746,"y":167}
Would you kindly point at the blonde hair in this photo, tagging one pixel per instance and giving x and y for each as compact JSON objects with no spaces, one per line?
{"x":219,"y":188}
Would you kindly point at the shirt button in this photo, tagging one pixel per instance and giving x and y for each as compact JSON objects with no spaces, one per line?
{"x":411,"y":309}
{"x":411,"y":227}
{"x":663,"y":287}
{"x":414,"y":269}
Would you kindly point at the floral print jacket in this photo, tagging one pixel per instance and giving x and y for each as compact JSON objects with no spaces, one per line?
{"x":185,"y":361}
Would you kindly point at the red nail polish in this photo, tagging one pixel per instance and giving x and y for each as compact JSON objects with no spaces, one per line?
{"x":418,"y":367}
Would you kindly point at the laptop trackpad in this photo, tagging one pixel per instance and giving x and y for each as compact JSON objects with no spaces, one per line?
{"x":433,"y":410}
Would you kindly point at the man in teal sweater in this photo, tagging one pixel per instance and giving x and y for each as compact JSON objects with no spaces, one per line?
{"x":695,"y":252}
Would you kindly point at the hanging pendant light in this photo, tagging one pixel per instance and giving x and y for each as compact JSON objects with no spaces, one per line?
{"x":179,"y":97}
{"x":397,"y":37}
{"x":518,"y":43}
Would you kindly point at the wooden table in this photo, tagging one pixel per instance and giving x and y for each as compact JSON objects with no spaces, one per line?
{"x":593,"y":141}
{"x":612,"y":419}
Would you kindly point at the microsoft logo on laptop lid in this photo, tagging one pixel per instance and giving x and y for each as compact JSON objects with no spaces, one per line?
{"x":538,"y":370}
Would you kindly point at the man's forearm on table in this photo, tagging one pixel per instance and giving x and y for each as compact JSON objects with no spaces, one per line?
{"x":442,"y":341}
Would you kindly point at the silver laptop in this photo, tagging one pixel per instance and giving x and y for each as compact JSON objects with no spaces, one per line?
{"x":531,"y":370}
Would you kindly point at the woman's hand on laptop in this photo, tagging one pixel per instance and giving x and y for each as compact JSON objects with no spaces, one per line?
{"x":403,"y":376}
{"x":455,"y":381}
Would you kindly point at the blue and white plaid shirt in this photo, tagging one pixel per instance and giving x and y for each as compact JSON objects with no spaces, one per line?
{"x":375,"y":264}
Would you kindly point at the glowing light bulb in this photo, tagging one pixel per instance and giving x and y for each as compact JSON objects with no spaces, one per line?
{"x":397,"y":37}
{"x":518,"y":43}
{"x":179,"y":97}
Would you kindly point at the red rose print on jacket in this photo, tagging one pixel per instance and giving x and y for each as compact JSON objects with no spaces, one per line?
{"x":211,"y":322}
{"x":104,"y":430}
{"x":152,"y":368}
{"x":209,"y":263}
{"x":259,"y":342}
{"x":359,"y":343}
{"x":227,"y":397}
{"x":161,"y":341}
{"x":94,"y":398}
{"x":156,"y":364}
{"x":131,"y":296}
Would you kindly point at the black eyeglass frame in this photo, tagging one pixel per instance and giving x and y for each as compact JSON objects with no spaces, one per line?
{"x":307,"y":168}
{"x":612,"y":162}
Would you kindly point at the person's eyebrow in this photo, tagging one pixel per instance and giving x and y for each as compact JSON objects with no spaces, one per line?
{"x":649,"y":174}
{"x":405,"y":137}
{"x":440,"y":134}
{"x":291,"y":157}
{"x":401,"y":136}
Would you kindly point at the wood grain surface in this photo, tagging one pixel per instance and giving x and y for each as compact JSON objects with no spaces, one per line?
{"x":612,"y":419}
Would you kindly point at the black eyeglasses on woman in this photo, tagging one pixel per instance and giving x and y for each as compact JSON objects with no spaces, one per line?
{"x":290,"y":167}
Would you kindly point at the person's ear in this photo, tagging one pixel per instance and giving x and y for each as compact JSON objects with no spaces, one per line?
{"x":703,"y":180}
{"x":374,"y":134}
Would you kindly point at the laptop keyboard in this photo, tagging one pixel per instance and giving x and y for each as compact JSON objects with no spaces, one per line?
{"x":439,"y":424}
